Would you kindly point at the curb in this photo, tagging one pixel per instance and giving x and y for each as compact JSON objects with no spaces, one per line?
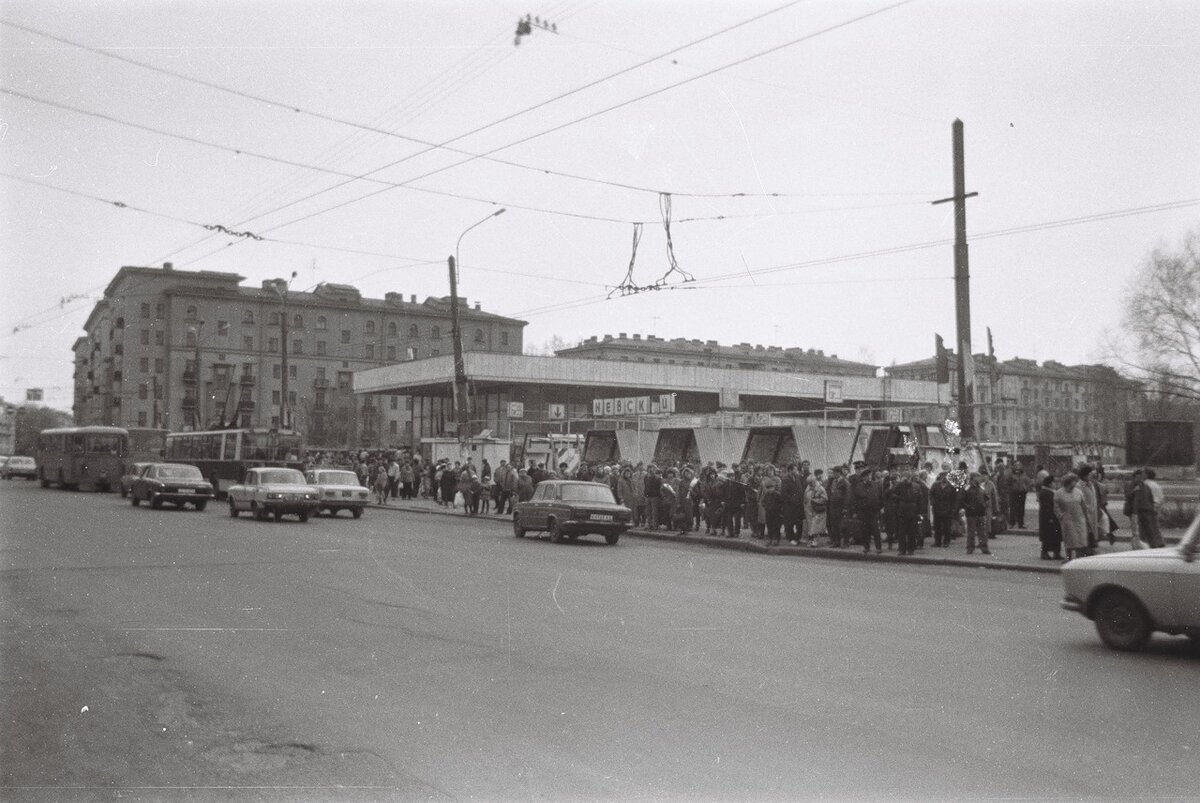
{"x":750,"y":545}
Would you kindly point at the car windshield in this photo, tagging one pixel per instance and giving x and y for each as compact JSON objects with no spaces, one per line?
{"x":281,"y":476}
{"x":337,"y":478}
{"x":586,"y":492}
{"x":179,"y":472}
{"x":20,"y":461}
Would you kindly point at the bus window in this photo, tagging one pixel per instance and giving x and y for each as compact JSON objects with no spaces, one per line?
{"x":229,"y":448}
{"x":103,"y":444}
{"x":76,"y":444}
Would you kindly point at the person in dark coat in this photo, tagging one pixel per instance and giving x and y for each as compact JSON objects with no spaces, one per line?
{"x":907,"y":499}
{"x":839,"y":491}
{"x":1049,"y":530}
{"x":791,"y":487}
{"x":771,"y":500}
{"x":943,"y":499}
{"x":653,"y":491}
{"x":974,"y":502}
{"x":733,"y":501}
{"x":890,"y":525}
{"x":449,"y":484}
{"x":866,"y":499}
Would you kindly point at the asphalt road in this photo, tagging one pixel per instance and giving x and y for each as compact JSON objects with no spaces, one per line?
{"x":413,"y":656}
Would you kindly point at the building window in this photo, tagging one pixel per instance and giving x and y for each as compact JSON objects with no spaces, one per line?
{"x":145,"y":309}
{"x":320,"y":372}
{"x":414,"y":332}
{"x":248,"y":343}
{"x":145,"y":337}
{"x":160,"y":311}
{"x":292,"y":398}
{"x":345,"y":336}
{"x":408,"y":403}
{"x":275,"y":421}
{"x":275,"y":396}
{"x":392,"y":427}
{"x":190,"y":338}
{"x":143,"y":391}
{"x":276,"y":370}
{"x":291,"y":372}
{"x":297,"y":346}
{"x":435,"y":352}
{"x":160,"y":338}
{"x":391,"y":328}
{"x":141,"y":418}
{"x":391,"y":352}
{"x":478,"y":335}
{"x":369,"y":351}
{"x":504,"y":338}
{"x":158,"y":365}
{"x":344,"y":379}
{"x":248,"y":316}
{"x":222,"y":328}
{"x":297,"y":321}
{"x":436,"y":333}
{"x":322,"y":323}
{"x":321,"y":347}
{"x":370,"y":327}
{"x":191,"y":313}
{"x":272,"y":344}
{"x":144,"y":365}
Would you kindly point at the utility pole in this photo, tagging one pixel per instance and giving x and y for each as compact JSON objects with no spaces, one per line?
{"x":459,"y":388}
{"x":962,"y":290}
{"x":198,"y":410}
{"x":282,"y":287}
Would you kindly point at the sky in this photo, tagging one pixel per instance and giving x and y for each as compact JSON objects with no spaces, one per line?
{"x":797,"y":147}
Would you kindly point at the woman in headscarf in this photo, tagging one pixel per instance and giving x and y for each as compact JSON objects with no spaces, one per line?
{"x":1070,"y":508}
{"x":1049,"y":531}
{"x":816,"y":504}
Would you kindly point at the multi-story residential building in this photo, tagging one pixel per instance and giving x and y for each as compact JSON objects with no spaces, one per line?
{"x":681,"y":351}
{"x":1019,"y":401}
{"x":8,"y":427}
{"x":191,"y":350}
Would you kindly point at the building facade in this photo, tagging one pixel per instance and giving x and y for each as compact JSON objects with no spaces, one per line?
{"x":1019,"y":402}
{"x":707,"y":353}
{"x":185,"y":350}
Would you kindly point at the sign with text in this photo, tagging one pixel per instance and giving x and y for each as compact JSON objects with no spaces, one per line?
{"x":33,"y":394}
{"x":516,"y":410}
{"x":634,"y":405}
{"x":833,"y":391}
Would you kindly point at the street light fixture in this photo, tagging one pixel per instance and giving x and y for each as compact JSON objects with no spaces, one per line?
{"x":459,"y":388}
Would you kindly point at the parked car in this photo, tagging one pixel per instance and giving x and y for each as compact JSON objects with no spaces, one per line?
{"x":177,"y":483}
{"x":1130,"y":595}
{"x":19,"y":466}
{"x":338,"y":490}
{"x":567,"y":508}
{"x":132,"y":472}
{"x":268,"y":491}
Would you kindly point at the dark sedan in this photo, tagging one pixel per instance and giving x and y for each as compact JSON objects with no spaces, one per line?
{"x":569,"y":509}
{"x":176,"y":483}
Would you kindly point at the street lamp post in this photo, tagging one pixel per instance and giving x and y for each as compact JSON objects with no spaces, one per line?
{"x":198,"y":410}
{"x":281,"y":289}
{"x":461,"y":398}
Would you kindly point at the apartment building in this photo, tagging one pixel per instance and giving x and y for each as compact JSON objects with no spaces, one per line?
{"x":194,"y":349}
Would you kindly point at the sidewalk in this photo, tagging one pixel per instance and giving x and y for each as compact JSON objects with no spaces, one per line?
{"x":1015,"y":550}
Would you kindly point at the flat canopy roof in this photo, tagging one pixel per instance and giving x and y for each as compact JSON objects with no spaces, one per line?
{"x":433,"y":376}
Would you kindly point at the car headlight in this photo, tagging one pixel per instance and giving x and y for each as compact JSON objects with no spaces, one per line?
{"x":272,"y":495}
{"x":310,"y":496}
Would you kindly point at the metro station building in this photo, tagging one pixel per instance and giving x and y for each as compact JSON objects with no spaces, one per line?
{"x":666,"y":411}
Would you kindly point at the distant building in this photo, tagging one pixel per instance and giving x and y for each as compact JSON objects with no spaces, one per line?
{"x":192,"y":350}
{"x":707,"y":353}
{"x":1021,"y":402}
{"x":8,"y":427}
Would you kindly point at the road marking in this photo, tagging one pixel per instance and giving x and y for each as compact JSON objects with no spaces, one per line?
{"x":219,"y":629}
{"x":554,"y":594}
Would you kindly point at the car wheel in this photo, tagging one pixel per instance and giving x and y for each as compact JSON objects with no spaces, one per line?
{"x":203,"y":503}
{"x":518,"y":530}
{"x":356,"y":512}
{"x":233,"y":511}
{"x":42,"y":479}
{"x":1121,"y":620}
{"x":260,"y":513}
{"x":303,"y":518}
{"x":556,"y":533}
{"x":155,"y":502}
{"x":124,"y":492}
{"x":612,"y":538}
{"x":133,"y":500}
{"x":278,"y":516}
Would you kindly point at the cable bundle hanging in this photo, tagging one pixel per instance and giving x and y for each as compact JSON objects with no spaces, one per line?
{"x":664,"y":204}
{"x":627,"y":287}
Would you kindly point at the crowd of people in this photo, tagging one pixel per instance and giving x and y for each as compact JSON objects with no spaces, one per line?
{"x":846,"y":507}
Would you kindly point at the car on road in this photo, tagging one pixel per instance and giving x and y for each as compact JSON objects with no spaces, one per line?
{"x":273,"y":491}
{"x":1132,"y":594}
{"x":132,"y":472}
{"x":177,"y":483}
{"x":19,"y":466}
{"x":338,"y":490}
{"x":569,"y":509}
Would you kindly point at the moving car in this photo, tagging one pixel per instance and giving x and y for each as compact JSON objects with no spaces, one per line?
{"x":177,"y":483}
{"x":567,"y":508}
{"x":18,"y":466}
{"x":132,"y":472}
{"x":338,"y":490}
{"x":1130,"y":595}
{"x":272,"y":491}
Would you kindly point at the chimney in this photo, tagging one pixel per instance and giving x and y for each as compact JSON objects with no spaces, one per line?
{"x":622,"y":336}
{"x":607,"y":338}
{"x":476,"y":305}
{"x":636,"y":336}
{"x":168,"y":266}
{"x":412,"y":299}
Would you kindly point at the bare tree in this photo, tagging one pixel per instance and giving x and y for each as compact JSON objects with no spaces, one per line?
{"x":1159,"y":342}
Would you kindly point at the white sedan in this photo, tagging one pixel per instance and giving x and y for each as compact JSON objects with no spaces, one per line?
{"x":1130,"y":595}
{"x":339,"y":490}
{"x":270,"y":491}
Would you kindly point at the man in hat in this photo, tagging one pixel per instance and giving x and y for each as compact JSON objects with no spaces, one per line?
{"x":866,"y":500}
{"x":838,"y":492}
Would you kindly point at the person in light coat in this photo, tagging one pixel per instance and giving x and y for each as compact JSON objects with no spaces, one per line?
{"x":1070,"y":507}
{"x":1091,"y":505}
{"x":816,"y":505}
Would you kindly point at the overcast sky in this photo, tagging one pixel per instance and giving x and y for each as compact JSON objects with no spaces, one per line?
{"x":797,"y":177}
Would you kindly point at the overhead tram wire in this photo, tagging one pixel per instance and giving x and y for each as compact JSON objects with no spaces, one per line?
{"x":700,"y":283}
